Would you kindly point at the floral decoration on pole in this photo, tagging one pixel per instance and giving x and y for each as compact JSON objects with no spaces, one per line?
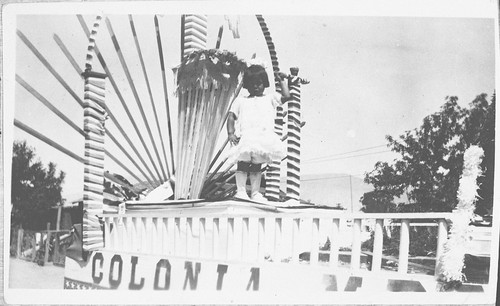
{"x":451,"y":263}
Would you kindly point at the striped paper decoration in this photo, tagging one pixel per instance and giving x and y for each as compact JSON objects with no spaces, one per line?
{"x":273,"y":171}
{"x":194,"y":33}
{"x":91,"y":45}
{"x":270,"y":47}
{"x":293,"y":140}
{"x":93,"y":185}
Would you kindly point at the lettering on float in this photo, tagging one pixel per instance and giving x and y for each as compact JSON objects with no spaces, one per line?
{"x":162,"y":274}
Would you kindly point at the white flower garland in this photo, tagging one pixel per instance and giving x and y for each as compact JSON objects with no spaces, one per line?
{"x":451,"y":262}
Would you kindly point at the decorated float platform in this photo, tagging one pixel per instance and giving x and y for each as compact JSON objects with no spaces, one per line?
{"x":232,"y":246}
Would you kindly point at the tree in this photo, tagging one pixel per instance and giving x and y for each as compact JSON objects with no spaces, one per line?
{"x":486,"y":140}
{"x":35,"y":189}
{"x":378,"y":201}
{"x":431,"y":159}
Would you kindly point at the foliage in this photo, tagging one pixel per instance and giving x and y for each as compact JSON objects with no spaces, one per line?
{"x":378,"y":201}
{"x":431,"y":160}
{"x":34,"y":189}
{"x":423,"y":241}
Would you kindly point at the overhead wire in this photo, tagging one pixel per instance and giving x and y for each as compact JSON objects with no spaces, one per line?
{"x":345,"y":157}
{"x":344,"y":153}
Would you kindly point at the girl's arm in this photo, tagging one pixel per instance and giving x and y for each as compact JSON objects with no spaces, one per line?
{"x":285,"y":93}
{"x":230,"y":128}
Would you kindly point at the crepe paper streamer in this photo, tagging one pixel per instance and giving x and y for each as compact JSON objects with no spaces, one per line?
{"x":123,"y":103}
{"x":165,"y":91}
{"x":68,"y":55}
{"x":49,"y":67}
{"x":138,"y":103}
{"x":451,"y":262}
{"x":153,"y":104}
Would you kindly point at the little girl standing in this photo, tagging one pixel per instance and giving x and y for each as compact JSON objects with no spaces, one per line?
{"x":250,"y":129}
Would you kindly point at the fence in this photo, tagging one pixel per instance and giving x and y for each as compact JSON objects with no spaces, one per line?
{"x":41,"y":246}
{"x":290,"y":237}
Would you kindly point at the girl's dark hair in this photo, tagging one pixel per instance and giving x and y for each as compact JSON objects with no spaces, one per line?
{"x":255,"y":71}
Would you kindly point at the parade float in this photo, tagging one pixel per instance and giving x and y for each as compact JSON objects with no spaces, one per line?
{"x":183,"y":231}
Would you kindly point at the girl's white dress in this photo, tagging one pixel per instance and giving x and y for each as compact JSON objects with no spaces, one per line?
{"x":255,"y":127}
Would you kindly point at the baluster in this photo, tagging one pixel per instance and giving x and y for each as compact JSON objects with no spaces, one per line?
{"x":139,"y":234}
{"x":215,"y":238}
{"x":189,"y":250}
{"x":245,"y":241}
{"x":334,"y":243}
{"x":278,"y":247}
{"x":144,"y":235}
{"x":441,"y":238}
{"x":404,"y":246}
{"x":155,"y":237}
{"x":356,"y":244}
{"x":149,"y":234}
{"x":177,"y":230}
{"x":261,"y":238}
{"x":140,"y":237}
{"x":141,"y":245}
{"x":203,"y":236}
{"x":165,"y":239}
{"x":314,"y":241}
{"x":117,"y":228}
{"x":135,"y":238}
{"x":169,"y":235}
{"x":230,"y":238}
{"x":322,"y":254}
{"x":253,"y":237}
{"x":107,"y":235}
{"x":183,"y":234}
{"x":223,"y":237}
{"x":128,"y":233}
{"x":295,"y":239}
{"x":378,"y":242}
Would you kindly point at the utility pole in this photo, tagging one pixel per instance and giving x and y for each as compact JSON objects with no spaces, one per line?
{"x":350,"y":187}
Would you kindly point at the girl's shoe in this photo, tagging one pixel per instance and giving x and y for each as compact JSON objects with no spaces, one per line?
{"x":242,"y":196}
{"x":258,"y":197}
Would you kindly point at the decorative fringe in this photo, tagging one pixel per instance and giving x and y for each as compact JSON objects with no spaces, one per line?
{"x":451,"y":262}
{"x":202,"y":68}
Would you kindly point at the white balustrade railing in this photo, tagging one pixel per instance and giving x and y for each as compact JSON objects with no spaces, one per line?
{"x":278,"y":237}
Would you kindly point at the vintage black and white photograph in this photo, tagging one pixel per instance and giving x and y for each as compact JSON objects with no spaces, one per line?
{"x":208,"y":152}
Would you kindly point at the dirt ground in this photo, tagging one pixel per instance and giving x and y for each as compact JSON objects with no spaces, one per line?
{"x":29,"y":275}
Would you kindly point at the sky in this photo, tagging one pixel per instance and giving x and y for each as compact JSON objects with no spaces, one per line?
{"x":370,"y":76}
